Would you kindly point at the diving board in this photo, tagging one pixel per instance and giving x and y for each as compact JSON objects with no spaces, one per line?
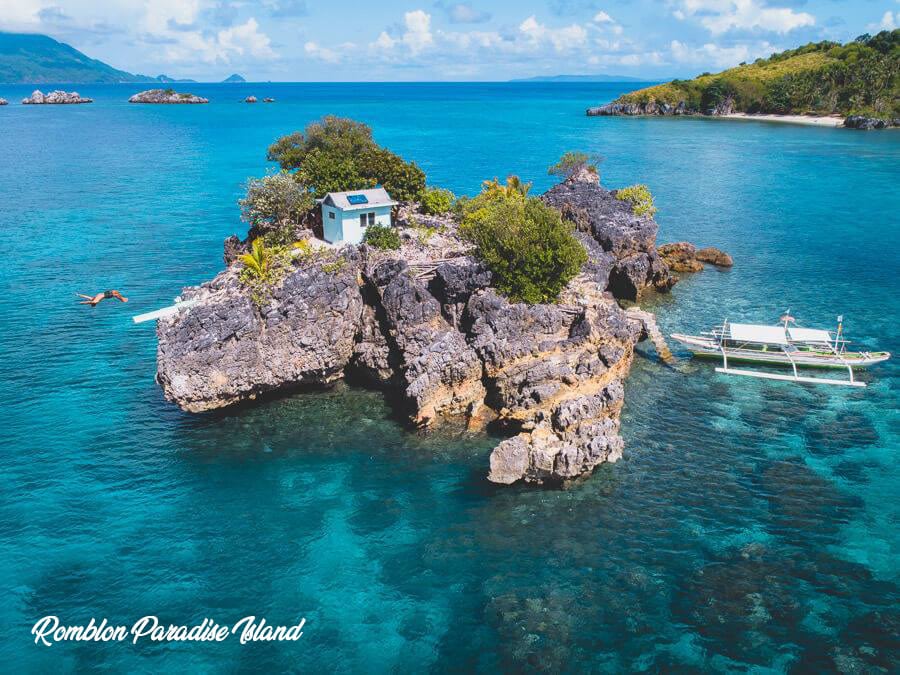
{"x":164,"y":312}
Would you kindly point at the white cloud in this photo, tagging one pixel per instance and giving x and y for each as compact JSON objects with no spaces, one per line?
{"x":721,"y":16}
{"x":314,"y":50}
{"x":715,"y":55}
{"x":562,"y":39}
{"x":384,"y":41}
{"x":889,"y":21}
{"x":602,"y":17}
{"x":246,"y":38}
{"x":418,"y":31}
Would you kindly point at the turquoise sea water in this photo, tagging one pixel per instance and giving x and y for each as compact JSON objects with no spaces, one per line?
{"x":751,"y":525}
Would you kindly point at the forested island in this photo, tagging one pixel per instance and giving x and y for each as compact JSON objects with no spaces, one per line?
{"x":859,"y":80}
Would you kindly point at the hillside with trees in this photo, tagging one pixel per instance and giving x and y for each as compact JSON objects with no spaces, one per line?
{"x":861,"y":77}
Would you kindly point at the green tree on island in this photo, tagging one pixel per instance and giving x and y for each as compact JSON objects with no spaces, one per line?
{"x":530,"y":250}
{"x":336,"y":154}
{"x":572,"y":162}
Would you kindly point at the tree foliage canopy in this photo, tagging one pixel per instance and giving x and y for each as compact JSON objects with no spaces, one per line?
{"x":859,"y":77}
{"x":336,"y":154}
{"x":530,"y":250}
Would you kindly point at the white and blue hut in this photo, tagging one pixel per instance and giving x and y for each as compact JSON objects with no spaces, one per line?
{"x":347,"y":215}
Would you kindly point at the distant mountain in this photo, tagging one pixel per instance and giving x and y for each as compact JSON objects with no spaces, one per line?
{"x":166,"y":79}
{"x":26,"y":58}
{"x":234,"y":79}
{"x":581,"y":78}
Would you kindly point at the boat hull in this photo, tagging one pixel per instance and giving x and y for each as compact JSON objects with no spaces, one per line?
{"x":709,"y":349}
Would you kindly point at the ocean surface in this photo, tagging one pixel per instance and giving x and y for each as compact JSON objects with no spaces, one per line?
{"x":752,"y":525}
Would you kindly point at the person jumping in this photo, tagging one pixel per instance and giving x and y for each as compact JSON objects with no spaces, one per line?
{"x":94,"y":300}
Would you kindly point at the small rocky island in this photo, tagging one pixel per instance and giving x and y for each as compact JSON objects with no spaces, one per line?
{"x":424,"y":314}
{"x":166,"y":96}
{"x":3,"y":101}
{"x":55,"y":98}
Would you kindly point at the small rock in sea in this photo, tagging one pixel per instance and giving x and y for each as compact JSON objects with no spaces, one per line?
{"x":866,"y":123}
{"x":268,"y":100}
{"x":3,"y":101}
{"x":55,"y":97}
{"x":167,"y":96}
{"x":715,"y":257}
{"x":680,"y":257}
{"x":250,"y":99}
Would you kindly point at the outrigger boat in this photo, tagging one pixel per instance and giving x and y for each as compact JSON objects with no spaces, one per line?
{"x":783,"y":345}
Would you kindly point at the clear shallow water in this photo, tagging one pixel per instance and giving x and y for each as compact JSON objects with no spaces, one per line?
{"x":750,"y":524}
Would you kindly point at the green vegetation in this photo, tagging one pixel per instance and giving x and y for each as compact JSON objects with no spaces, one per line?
{"x":277,"y":204}
{"x":530,"y":250}
{"x":572,"y":162}
{"x":264,"y":268}
{"x":860,"y":77}
{"x":640,"y":198}
{"x":382,"y":237}
{"x":338,"y":154}
{"x":437,"y":200}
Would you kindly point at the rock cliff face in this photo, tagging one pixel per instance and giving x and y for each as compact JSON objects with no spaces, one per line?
{"x":632,"y":263}
{"x":425,"y":323}
{"x":724,"y":107}
{"x":55,"y":97}
{"x":166,"y":96}
{"x":225,"y":350}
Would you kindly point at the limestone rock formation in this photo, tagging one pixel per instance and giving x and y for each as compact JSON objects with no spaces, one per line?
{"x":868,"y":123}
{"x":540,"y":361}
{"x":55,"y":97}
{"x":225,"y":350}
{"x":250,"y":99}
{"x":683,"y":256}
{"x":629,"y":239}
{"x":3,"y":101}
{"x":649,"y":108}
{"x":680,"y":257}
{"x":715,"y":256}
{"x":426,"y":323}
{"x":166,"y":96}
{"x":440,"y":373}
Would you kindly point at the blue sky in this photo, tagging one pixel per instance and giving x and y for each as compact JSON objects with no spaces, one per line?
{"x":339,"y":40}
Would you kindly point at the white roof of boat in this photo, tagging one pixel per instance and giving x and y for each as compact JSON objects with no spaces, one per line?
{"x":809,"y":335}
{"x":749,"y":332}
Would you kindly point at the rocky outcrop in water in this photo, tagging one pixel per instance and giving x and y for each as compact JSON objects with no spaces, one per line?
{"x":55,"y":98}
{"x":3,"y":101}
{"x":425,"y":323}
{"x":250,"y":99}
{"x":166,"y":96}
{"x":683,"y":256}
{"x":868,"y":123}
{"x":225,"y":349}
{"x":632,"y":263}
{"x":650,"y":108}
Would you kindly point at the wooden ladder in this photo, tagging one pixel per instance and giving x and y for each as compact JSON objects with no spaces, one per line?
{"x":648,"y":321}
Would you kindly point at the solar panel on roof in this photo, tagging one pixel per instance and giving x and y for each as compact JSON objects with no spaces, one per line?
{"x":357,"y":199}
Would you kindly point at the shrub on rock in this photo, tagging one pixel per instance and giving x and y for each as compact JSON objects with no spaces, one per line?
{"x":382,"y":237}
{"x":275,"y":205}
{"x":572,"y":162}
{"x":437,"y":200}
{"x":531,"y":252}
{"x":640,"y":198}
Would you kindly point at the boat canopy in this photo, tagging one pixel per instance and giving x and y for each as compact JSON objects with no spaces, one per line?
{"x":748,"y":332}
{"x":809,"y":335}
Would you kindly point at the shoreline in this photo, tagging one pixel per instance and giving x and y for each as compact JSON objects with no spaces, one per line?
{"x":831,"y":121}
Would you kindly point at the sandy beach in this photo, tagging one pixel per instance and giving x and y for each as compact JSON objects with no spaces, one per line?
{"x":812,"y":120}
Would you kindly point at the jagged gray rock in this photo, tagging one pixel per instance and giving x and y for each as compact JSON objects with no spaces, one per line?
{"x":629,"y":239}
{"x":441,"y":374}
{"x":225,"y":350}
